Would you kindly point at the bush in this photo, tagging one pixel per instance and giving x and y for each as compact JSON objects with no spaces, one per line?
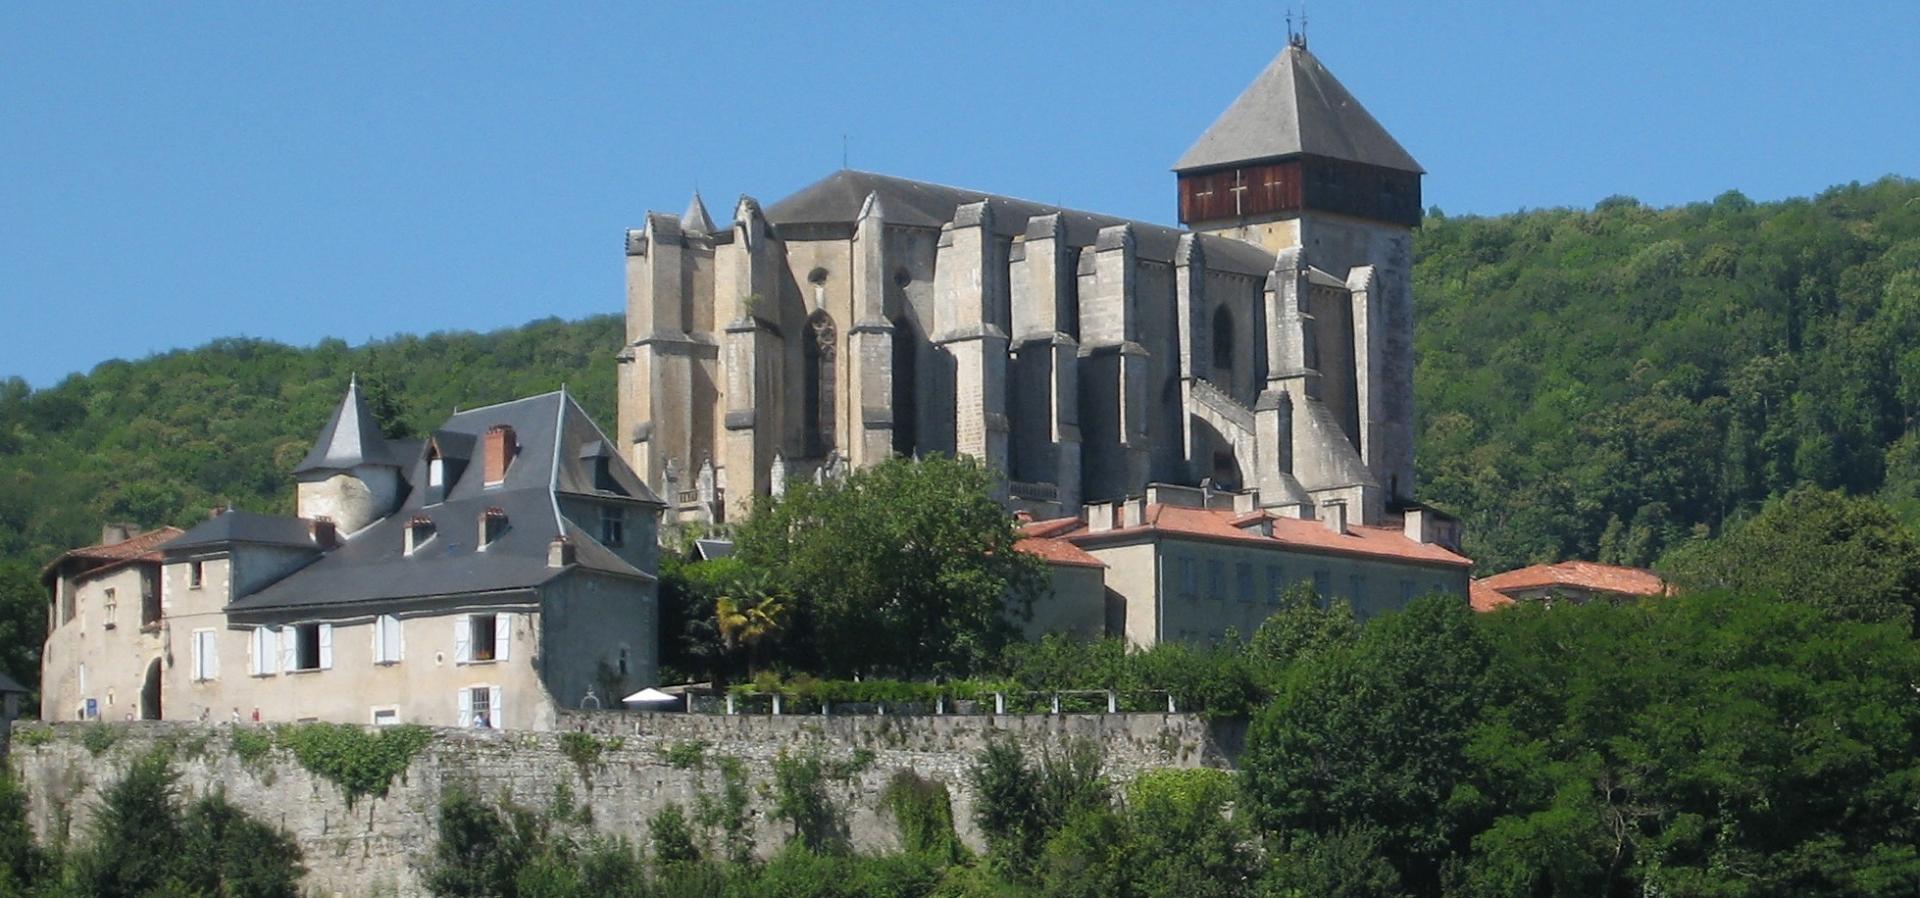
{"x":923,"y":811}
{"x":672,"y":837}
{"x":358,"y":760}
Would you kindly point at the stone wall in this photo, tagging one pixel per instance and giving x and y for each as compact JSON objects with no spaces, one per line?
{"x":374,"y":846}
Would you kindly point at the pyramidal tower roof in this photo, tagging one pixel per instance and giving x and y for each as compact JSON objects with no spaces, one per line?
{"x":1296,"y":107}
{"x":350,"y":439}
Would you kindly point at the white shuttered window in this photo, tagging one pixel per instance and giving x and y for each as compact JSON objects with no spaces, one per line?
{"x":206,"y":655}
{"x":266,"y":652}
{"x":387,"y":645}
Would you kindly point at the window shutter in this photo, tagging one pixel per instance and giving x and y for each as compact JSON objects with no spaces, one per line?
{"x":257,"y":652}
{"x":466,"y":708}
{"x":495,"y":712}
{"x":210,"y":657}
{"x":379,"y":639}
{"x":502,"y":631}
{"x":289,"y":648}
{"x":463,"y":639}
{"x":326,"y":646}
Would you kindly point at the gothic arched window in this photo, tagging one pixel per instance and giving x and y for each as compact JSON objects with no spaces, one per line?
{"x":905,"y":386}
{"x":1223,"y":346}
{"x":817,"y":413}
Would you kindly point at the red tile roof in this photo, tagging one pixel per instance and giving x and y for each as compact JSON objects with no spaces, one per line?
{"x":1586,"y":575}
{"x":139,"y":547}
{"x":1485,"y":598}
{"x":1057,"y":551}
{"x":1224,"y":524}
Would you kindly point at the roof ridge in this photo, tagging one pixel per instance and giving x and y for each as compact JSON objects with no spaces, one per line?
{"x":482,"y":408}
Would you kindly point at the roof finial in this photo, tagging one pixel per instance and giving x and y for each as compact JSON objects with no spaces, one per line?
{"x":1297,"y":38}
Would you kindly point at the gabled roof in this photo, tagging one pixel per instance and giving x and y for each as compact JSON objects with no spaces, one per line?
{"x":351,"y":438}
{"x":1296,"y":107}
{"x":143,"y":546}
{"x":9,"y":684}
{"x":1162,"y":519}
{"x":838,"y":199}
{"x":236,"y":526}
{"x":551,"y":432}
{"x":1582,"y":575}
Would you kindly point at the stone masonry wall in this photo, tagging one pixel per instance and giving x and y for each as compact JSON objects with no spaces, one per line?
{"x":375,"y":847}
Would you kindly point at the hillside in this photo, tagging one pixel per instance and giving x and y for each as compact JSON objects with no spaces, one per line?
{"x":1609,"y":383}
{"x":1601,"y":384}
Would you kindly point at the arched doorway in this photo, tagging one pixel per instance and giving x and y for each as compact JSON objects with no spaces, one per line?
{"x":150,"y":692}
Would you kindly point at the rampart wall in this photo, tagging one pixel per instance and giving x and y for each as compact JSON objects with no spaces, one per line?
{"x":645,"y":762}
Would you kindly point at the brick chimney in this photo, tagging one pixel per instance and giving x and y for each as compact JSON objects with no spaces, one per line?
{"x":498,"y":448}
{"x":326,"y":534}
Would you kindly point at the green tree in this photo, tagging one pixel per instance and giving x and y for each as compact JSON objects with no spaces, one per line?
{"x":1337,"y":748}
{"x":1850,"y":556}
{"x":907,"y":567}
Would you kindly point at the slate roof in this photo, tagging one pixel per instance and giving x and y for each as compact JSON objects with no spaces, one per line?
{"x":550,"y":431}
{"x":1292,"y":533}
{"x":1583,"y":575}
{"x":9,"y":684}
{"x":837,"y":199}
{"x":350,"y":439}
{"x":236,"y":526}
{"x":1296,"y":107}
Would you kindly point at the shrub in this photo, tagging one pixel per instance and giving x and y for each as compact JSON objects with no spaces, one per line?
{"x":686,"y":755}
{"x":923,"y":811}
{"x":98,"y":737}
{"x":800,"y":798}
{"x":671,"y":836}
{"x":358,"y":760}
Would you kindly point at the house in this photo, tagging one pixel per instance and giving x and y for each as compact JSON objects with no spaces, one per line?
{"x":1573,"y":581}
{"x":1190,"y":565}
{"x":104,"y":627}
{"x":489,"y":574}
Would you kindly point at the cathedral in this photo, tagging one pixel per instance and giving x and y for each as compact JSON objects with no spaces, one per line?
{"x":1264,"y":348}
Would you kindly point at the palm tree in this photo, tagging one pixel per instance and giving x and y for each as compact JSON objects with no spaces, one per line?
{"x":753,"y":616}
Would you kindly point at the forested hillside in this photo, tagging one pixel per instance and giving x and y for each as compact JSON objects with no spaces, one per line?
{"x":1600,"y":384}
{"x":1607,"y":384}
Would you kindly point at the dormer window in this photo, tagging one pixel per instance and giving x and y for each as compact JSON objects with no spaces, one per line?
{"x":493,"y":525}
{"x":419,"y":531}
{"x":436,"y":476}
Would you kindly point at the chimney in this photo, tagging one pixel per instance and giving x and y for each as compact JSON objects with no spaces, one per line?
{"x":1335,"y":515}
{"x":1099,"y":517}
{"x":326,"y":534}
{"x":114,"y":534}
{"x":1418,"y":525}
{"x":559,"y":552}
{"x":216,"y":511}
{"x":499,"y":448}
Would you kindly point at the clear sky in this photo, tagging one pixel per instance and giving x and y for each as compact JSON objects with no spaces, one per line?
{"x":171,"y":173}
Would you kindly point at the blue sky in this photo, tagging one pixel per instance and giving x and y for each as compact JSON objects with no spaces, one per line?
{"x":170,"y":173}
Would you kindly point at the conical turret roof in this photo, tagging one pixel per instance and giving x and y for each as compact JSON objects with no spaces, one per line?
{"x":1296,"y":107}
{"x":350,"y":439}
{"x":696,"y":220}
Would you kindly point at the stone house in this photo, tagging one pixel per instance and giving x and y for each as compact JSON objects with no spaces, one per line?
{"x":1188,"y":565}
{"x":1266,"y":346}
{"x":104,"y":627}
{"x":491,"y":574}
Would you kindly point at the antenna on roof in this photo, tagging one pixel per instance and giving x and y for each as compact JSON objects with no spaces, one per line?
{"x":1297,"y":38}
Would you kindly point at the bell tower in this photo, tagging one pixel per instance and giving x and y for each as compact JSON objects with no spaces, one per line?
{"x":1297,"y":166}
